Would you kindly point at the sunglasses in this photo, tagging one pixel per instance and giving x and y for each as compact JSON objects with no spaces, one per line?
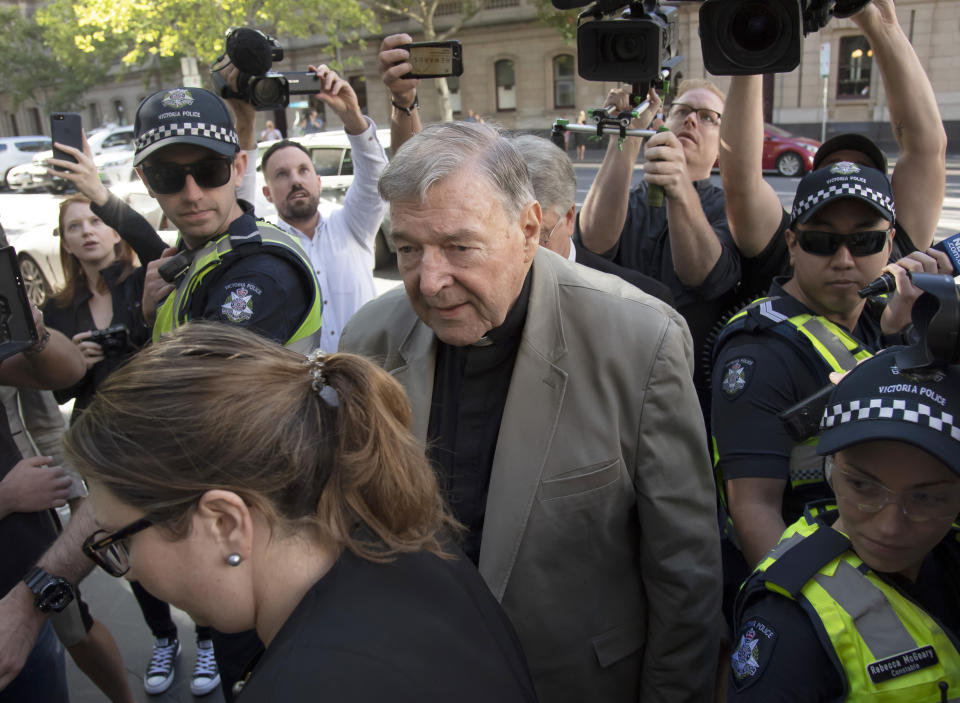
{"x":827,"y":243}
{"x":169,"y":178}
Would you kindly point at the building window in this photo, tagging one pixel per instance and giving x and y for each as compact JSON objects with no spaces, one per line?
{"x":14,"y":127}
{"x":93,"y":114}
{"x":563,"y":81}
{"x":855,"y":63}
{"x":35,"y":119}
{"x":456,"y":104}
{"x":506,"y":85}
{"x":359,"y":85}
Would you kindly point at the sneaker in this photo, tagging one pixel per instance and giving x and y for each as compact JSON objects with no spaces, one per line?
{"x":206,"y":675}
{"x":160,"y":672}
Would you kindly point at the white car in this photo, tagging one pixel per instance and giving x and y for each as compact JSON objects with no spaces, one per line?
{"x":330,"y":153}
{"x":34,"y":176}
{"x":38,"y":250}
{"x":19,"y":150}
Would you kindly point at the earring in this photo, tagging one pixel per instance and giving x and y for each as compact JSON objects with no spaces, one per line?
{"x":234,"y":560}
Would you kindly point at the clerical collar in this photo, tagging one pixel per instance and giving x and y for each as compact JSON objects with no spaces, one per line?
{"x":512,"y":325}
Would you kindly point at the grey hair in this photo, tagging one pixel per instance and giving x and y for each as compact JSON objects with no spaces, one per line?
{"x":445,"y":149}
{"x":554,"y":182}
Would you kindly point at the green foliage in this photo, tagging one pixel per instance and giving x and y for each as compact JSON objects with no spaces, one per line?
{"x":564,"y":21}
{"x":176,"y":28}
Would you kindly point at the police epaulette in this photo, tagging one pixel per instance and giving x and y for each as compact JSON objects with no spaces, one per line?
{"x":805,"y":559}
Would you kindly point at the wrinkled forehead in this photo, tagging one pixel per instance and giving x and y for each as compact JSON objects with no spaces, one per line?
{"x":701,"y":97}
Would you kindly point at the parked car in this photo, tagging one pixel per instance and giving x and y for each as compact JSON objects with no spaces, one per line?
{"x":332,"y":160}
{"x":38,"y":250}
{"x":34,"y":176}
{"x":785,"y":153}
{"x":19,"y":150}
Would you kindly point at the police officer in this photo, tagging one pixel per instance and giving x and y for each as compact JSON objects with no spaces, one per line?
{"x":782,"y":348}
{"x":862,"y":602}
{"x":238,"y":270}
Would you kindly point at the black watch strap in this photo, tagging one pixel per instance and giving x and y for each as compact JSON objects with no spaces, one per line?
{"x":50,"y":592}
{"x":409,"y":108}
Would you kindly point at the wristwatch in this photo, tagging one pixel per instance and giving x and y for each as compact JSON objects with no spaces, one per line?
{"x":51,"y":593}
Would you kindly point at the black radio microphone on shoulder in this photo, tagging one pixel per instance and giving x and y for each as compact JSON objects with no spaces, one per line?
{"x":887,"y":283}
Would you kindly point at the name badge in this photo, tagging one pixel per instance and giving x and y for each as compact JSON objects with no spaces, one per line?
{"x":903,"y":663}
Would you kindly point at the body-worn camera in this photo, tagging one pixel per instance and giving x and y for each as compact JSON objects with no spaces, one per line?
{"x":113,"y":340}
{"x":744,"y":37}
{"x":254,"y":53}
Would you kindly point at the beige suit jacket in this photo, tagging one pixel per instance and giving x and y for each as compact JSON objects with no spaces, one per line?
{"x":600,"y":536}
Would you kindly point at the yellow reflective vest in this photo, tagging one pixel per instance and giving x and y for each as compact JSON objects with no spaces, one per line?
{"x":175,"y":310}
{"x":887,"y":649}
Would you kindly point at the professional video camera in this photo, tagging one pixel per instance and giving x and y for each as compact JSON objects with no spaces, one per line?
{"x":743,"y":37}
{"x":934,"y":343}
{"x":253,"y":53}
{"x":632,"y":48}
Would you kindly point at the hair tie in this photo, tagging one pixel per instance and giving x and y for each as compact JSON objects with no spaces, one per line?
{"x":316,"y":366}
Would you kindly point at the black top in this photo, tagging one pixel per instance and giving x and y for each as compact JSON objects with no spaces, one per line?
{"x":634,"y":278}
{"x":644,"y":246}
{"x":24,"y":537}
{"x":469,"y":393}
{"x":794,"y":666}
{"x":758,"y":375}
{"x":418,"y":628}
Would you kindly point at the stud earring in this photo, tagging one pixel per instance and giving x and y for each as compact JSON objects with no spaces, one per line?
{"x":234,"y":560}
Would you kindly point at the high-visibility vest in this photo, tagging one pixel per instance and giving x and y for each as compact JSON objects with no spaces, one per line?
{"x":176,"y":309}
{"x":886,"y":648}
{"x":825,"y":343}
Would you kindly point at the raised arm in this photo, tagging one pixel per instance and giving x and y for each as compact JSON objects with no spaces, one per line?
{"x":404,"y":123}
{"x":919,"y":178}
{"x":605,"y":208}
{"x":753,"y":208}
{"x":54,"y":362}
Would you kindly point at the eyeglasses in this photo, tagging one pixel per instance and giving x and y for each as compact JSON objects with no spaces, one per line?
{"x":827,"y":243}
{"x":681,"y":111}
{"x":169,"y":178}
{"x":545,"y":238}
{"x":918,"y":504}
{"x":110,"y":552}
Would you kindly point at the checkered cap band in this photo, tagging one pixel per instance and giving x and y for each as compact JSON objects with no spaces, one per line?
{"x":187,"y":129}
{"x":890,"y":409}
{"x":837,"y":190}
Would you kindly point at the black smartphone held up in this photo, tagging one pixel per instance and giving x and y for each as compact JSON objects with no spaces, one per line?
{"x":66,"y":128}
{"x":17,"y":330}
{"x":434,"y":59}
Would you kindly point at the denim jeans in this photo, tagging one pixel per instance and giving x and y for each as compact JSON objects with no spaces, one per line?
{"x":44,"y":675}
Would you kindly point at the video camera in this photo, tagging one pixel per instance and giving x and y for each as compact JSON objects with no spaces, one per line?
{"x":745,"y":37}
{"x":634,"y":47}
{"x":253,"y":53}
{"x":934,"y":344}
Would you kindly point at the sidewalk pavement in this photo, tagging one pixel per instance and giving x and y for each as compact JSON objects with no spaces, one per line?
{"x":111,"y":602}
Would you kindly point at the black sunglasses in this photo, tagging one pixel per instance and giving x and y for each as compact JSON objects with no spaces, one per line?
{"x":109,"y":552}
{"x":827,"y":243}
{"x":168,"y":178}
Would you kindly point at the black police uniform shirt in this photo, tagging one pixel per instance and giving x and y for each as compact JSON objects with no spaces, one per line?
{"x":24,"y":537}
{"x":778,"y":656}
{"x":760,"y":270}
{"x":263,"y":292}
{"x":757,"y":376}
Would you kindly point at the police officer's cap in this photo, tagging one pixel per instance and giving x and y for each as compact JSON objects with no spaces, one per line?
{"x":183,"y":116}
{"x":879,"y":401}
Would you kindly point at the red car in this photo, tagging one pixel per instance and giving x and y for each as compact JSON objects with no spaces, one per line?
{"x":787,"y":154}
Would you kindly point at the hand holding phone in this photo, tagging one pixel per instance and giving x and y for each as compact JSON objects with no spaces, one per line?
{"x":434,"y":59}
{"x":66,"y":128}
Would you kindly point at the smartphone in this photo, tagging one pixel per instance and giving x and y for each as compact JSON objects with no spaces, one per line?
{"x":66,"y":128}
{"x":434,"y":59}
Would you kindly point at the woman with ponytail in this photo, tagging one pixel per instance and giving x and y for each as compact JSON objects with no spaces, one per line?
{"x":257,"y":488}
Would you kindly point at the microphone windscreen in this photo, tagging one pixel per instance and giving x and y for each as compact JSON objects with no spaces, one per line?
{"x":951,"y":247}
{"x":249,"y":51}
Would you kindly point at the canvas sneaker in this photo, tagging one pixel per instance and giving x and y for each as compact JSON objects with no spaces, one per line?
{"x":206,"y":675}
{"x":160,"y":671}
